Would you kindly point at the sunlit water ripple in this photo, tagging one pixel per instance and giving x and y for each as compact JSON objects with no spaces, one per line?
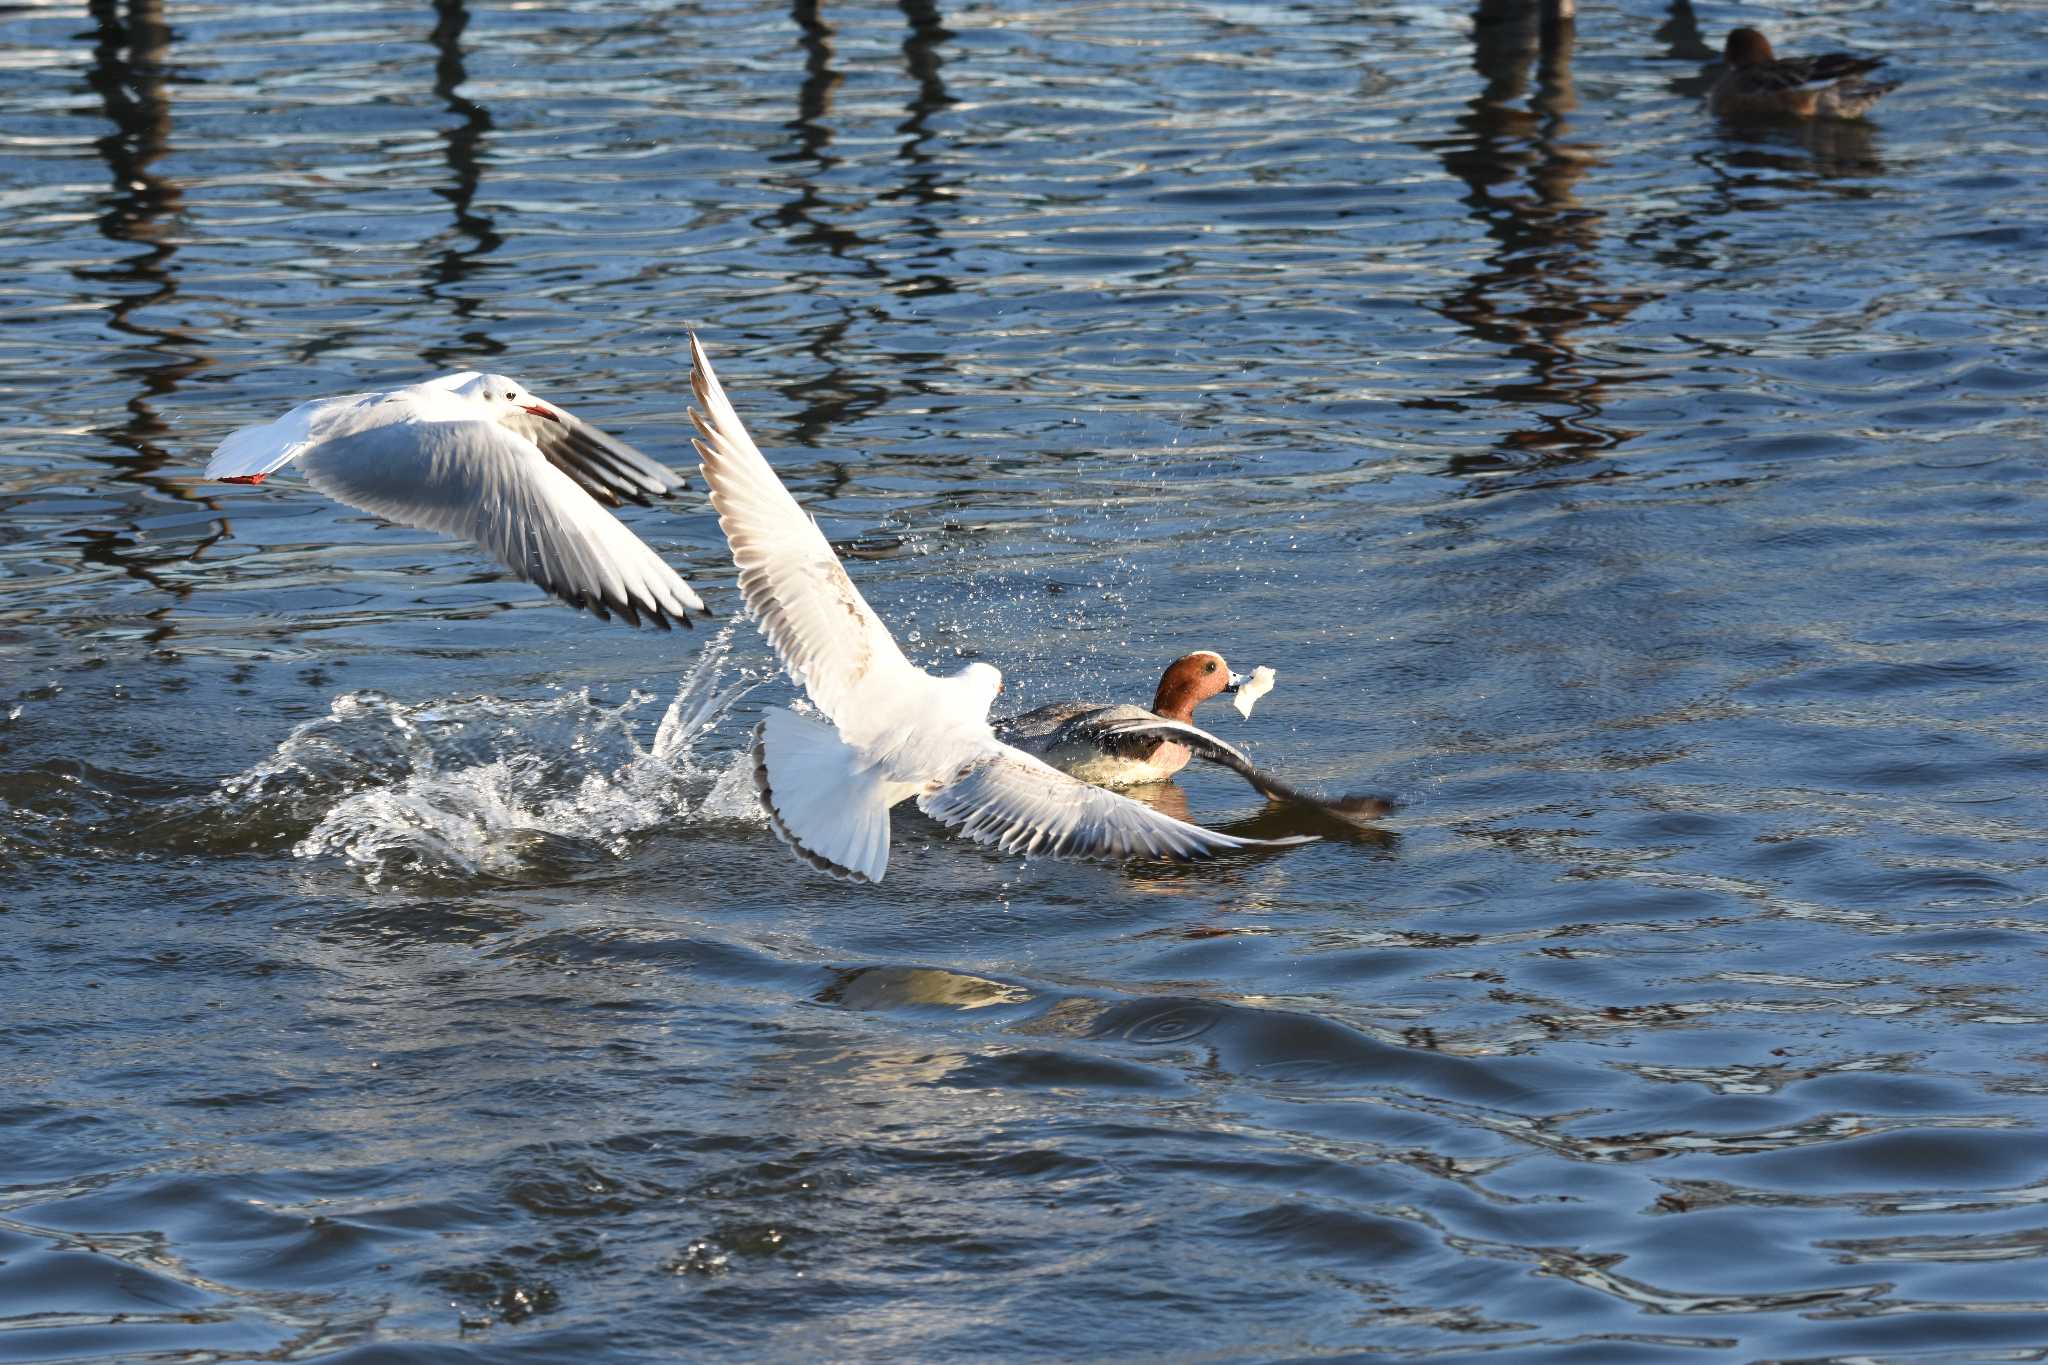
{"x":392,"y":965}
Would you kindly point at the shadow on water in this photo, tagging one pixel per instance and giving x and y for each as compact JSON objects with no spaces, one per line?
{"x":130,"y":74}
{"x":475,"y":235}
{"x":813,"y":155}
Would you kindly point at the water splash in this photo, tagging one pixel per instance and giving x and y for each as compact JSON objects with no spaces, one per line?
{"x":487,"y":786}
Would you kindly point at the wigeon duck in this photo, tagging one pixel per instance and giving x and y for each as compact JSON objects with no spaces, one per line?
{"x":1120,"y":745}
{"x":1071,"y":736}
{"x":478,"y":456}
{"x":1759,"y":84}
{"x":895,"y":731}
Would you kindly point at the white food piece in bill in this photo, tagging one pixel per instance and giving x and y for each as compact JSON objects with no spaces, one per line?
{"x":1251,"y":689}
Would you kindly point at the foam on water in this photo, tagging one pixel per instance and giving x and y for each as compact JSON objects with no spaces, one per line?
{"x":493,"y":786}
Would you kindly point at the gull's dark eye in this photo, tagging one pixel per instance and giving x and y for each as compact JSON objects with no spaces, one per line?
{"x":511,"y":398}
{"x":1209,"y":667}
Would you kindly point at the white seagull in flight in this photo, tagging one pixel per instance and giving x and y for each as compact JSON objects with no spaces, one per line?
{"x":897,"y":731}
{"x":477,"y":456}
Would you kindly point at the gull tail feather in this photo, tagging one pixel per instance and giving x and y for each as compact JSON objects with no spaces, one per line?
{"x":824,"y":800}
{"x":247,"y":455}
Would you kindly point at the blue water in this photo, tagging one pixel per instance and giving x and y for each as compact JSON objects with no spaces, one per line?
{"x":393,"y":967}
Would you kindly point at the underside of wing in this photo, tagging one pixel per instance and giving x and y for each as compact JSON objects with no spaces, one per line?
{"x":603,"y":466}
{"x":487,"y":484}
{"x":1009,"y":799}
{"x":829,"y":639}
{"x":1354,"y":808}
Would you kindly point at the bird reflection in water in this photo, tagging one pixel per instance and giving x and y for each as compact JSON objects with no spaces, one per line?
{"x":130,"y":74}
{"x":1835,"y":157}
{"x":1544,"y":281}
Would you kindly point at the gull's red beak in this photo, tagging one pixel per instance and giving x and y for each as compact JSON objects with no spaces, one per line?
{"x":539,"y":411}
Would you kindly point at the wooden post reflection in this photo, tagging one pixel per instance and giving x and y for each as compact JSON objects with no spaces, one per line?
{"x":131,"y":51}
{"x":129,"y":73}
{"x":1544,"y":282}
{"x":476,"y":234}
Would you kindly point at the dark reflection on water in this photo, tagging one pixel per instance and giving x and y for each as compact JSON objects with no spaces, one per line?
{"x":392,"y":966}
{"x":475,"y":237}
{"x":130,"y":74}
{"x":1545,"y":281}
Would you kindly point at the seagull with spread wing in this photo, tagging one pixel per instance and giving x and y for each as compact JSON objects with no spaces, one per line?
{"x":895,"y":731}
{"x":477,"y":456}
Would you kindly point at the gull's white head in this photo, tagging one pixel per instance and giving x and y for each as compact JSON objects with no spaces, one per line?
{"x":982,"y":681}
{"x":503,"y":397}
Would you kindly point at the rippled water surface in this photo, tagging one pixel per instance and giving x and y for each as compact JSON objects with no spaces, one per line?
{"x":393,"y":968}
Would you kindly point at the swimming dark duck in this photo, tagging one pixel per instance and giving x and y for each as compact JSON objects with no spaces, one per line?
{"x":1757,"y":83}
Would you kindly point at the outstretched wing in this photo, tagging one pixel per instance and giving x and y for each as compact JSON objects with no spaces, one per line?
{"x":1005,"y":797}
{"x":603,"y":466}
{"x":488,"y":484}
{"x":1354,"y":807}
{"x":829,"y":638}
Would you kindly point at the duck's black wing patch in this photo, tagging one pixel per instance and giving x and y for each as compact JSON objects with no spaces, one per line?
{"x":1356,"y":807}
